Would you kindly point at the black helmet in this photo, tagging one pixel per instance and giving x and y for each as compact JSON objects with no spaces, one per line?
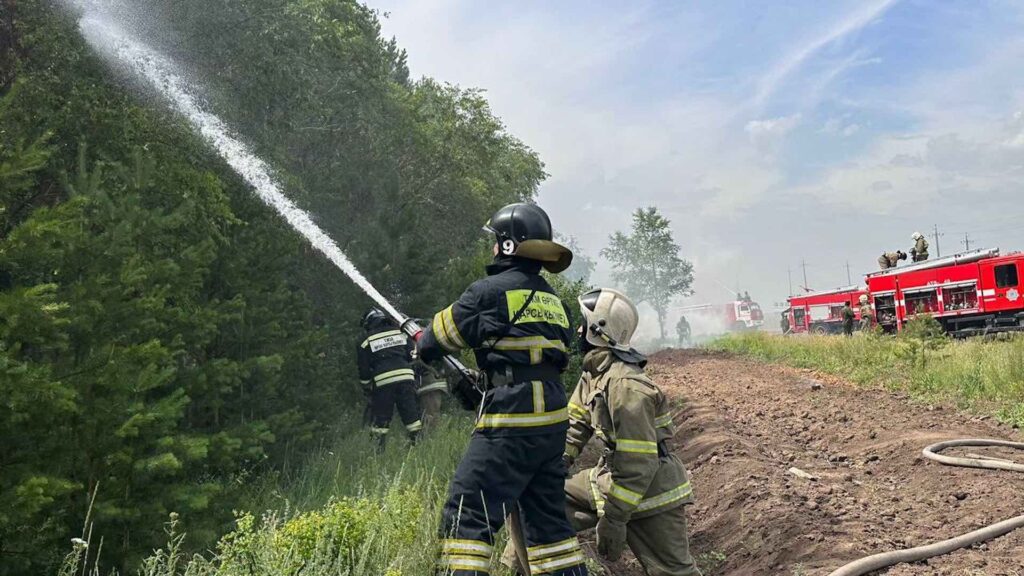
{"x":524,"y":230}
{"x":372,"y":317}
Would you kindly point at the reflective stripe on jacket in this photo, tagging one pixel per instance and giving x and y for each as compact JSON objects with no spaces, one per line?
{"x":630,"y":415}
{"x":385,"y":357}
{"x":481,"y":320}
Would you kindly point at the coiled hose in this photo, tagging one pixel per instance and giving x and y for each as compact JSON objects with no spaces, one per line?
{"x":886,"y":559}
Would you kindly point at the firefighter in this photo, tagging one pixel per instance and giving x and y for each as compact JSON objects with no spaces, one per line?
{"x":520,"y":333}
{"x":891,"y":259}
{"x":866,"y":314}
{"x":919,"y":252}
{"x":784,"y":322}
{"x":848,"y":316}
{"x":431,"y":390}
{"x":683,"y":331}
{"x":385,"y":371}
{"x":636,"y":493}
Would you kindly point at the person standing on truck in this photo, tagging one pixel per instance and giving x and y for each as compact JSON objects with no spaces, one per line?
{"x":848,"y":316}
{"x":867,"y":314}
{"x":637,"y":492}
{"x":919,"y":253}
{"x":385,"y":371}
{"x":891,"y":259}
{"x":520,"y":333}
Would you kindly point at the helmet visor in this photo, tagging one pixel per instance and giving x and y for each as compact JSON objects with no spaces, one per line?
{"x":589,"y":300}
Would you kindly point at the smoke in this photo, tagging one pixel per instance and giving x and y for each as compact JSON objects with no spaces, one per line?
{"x":104,"y":30}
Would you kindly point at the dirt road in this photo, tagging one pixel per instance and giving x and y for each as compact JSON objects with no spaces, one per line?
{"x":743,"y":424}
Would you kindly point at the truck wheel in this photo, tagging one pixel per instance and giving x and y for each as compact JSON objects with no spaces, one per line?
{"x":819,"y":330}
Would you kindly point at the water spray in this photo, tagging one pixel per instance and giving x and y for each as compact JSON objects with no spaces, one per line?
{"x":157,"y":70}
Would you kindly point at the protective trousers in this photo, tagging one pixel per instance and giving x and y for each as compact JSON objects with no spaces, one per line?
{"x":430,"y":403}
{"x":495,"y":473}
{"x":659,"y":542}
{"x":383,"y":401}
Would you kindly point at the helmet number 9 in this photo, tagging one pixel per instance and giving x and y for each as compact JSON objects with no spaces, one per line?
{"x":508,"y":247}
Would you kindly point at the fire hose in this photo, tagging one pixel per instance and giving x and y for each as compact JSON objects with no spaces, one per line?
{"x":886,"y":559}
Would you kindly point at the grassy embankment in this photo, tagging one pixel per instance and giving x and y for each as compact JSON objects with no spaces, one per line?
{"x":344,"y":512}
{"x":983,"y":376}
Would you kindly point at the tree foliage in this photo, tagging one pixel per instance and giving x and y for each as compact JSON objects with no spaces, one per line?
{"x":163,"y":335}
{"x":647,"y":263}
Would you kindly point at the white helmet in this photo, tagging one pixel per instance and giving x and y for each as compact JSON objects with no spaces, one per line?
{"x":610,"y":318}
{"x":863,"y":298}
{"x":917,"y":236}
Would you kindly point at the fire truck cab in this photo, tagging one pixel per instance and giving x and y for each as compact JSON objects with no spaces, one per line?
{"x":969,"y":293}
{"x":743,"y":314}
{"x":822,"y":312}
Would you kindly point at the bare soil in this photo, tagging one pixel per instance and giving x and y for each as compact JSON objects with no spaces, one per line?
{"x":743,"y":424}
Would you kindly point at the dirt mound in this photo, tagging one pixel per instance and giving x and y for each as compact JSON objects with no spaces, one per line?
{"x":744,"y":425}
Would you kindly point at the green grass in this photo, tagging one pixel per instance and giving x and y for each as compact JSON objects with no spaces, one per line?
{"x":345,"y":512}
{"x":983,"y":376}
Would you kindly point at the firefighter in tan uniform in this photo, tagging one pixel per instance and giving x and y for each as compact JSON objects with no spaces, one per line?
{"x":637,"y":492}
{"x":867,"y":314}
{"x":919,"y":253}
{"x":891,"y":259}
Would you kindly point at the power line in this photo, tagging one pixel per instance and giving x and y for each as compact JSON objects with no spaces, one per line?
{"x":966,"y":242}
{"x":803,"y":264}
{"x":938,"y":251}
{"x":849,"y":279}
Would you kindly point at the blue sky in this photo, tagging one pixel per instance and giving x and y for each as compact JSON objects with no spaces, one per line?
{"x":769,"y":132}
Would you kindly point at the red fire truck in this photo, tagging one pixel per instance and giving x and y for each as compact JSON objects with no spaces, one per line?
{"x":822,"y":312}
{"x":739,"y":315}
{"x":976,"y":292}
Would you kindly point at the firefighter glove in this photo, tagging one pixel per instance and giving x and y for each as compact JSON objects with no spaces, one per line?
{"x":567,"y":461}
{"x":466,"y":390}
{"x":611,"y":538}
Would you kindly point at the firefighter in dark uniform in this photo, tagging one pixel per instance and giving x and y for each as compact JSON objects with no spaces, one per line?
{"x":520,"y":333}
{"x":385,"y":370}
{"x":848,"y":316}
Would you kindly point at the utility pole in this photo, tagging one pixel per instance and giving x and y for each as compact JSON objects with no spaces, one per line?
{"x":967,"y":242}
{"x":803,"y":264}
{"x":789,"y":274}
{"x":849,"y":279}
{"x":938,"y":251}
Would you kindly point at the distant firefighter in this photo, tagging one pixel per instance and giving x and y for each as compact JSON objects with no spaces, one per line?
{"x":891,"y":259}
{"x":848,"y":317}
{"x":867,"y":313}
{"x":683,"y":331}
{"x":919,"y":253}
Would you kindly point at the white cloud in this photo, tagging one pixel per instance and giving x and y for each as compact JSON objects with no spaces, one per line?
{"x":899,"y":172}
{"x":850,"y":24}
{"x":766,"y":134}
{"x":840,"y":127}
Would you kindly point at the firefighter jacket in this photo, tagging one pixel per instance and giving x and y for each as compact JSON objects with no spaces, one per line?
{"x":921,"y":248}
{"x":866,"y":312}
{"x":524,"y":360}
{"x":637,"y":475}
{"x":385,"y":357}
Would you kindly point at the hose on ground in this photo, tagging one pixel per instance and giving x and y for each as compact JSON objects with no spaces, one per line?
{"x":886,"y":559}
